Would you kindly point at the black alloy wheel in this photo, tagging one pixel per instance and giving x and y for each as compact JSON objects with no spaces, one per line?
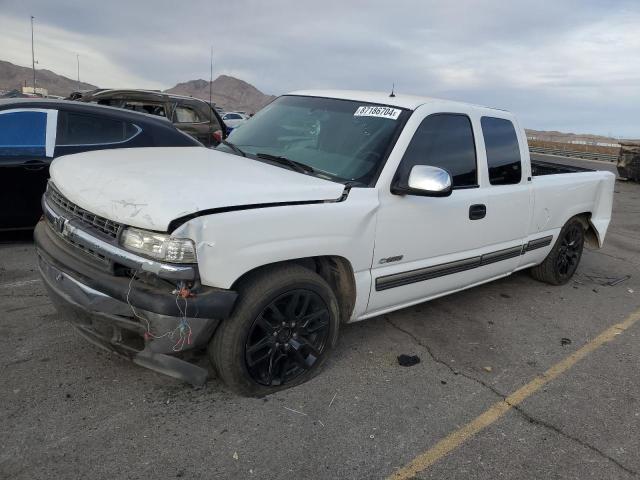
{"x":563,"y":259}
{"x":287,"y":338}
{"x":284,"y":324}
{"x":570,"y":250}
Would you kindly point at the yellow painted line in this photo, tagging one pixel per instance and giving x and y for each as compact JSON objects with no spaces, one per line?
{"x":497,"y":410}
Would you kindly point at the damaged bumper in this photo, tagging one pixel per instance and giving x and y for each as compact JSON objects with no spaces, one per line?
{"x":143,"y":319}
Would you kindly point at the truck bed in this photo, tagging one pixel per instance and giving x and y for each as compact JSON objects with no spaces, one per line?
{"x":539,"y":168}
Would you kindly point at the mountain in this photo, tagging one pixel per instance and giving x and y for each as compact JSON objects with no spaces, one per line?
{"x":14,"y":77}
{"x":230,"y":93}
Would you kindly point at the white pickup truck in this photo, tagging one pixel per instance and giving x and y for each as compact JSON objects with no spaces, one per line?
{"x":327,"y":207}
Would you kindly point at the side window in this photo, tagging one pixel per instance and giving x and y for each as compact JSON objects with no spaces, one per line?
{"x":186,"y":115}
{"x":503,"y":152}
{"x":78,"y":129}
{"x":23,"y":133}
{"x":143,"y":107}
{"x":446,"y":141}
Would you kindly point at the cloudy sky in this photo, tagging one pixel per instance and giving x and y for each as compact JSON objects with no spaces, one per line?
{"x":570,"y":65}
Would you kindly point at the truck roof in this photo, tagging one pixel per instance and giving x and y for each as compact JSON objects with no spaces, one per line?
{"x":400,"y":100}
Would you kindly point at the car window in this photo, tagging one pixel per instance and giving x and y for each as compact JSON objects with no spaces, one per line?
{"x":75,"y":129}
{"x":145,"y":107}
{"x":503,"y":152}
{"x":186,"y":115}
{"x":445,"y":141}
{"x":23,"y":133}
{"x":232,"y":116}
{"x":108,"y":102}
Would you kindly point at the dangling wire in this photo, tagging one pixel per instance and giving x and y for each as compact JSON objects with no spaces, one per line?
{"x":183,"y":330}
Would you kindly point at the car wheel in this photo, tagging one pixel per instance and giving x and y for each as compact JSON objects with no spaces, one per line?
{"x":282,"y":328}
{"x":564,"y":257}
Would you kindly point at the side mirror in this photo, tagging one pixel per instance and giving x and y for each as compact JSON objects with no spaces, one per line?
{"x":424,"y":180}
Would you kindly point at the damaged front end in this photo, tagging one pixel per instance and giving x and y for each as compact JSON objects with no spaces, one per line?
{"x":154,"y":313}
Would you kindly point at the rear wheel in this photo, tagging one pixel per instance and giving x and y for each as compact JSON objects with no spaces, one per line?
{"x":280,"y":333}
{"x":564,"y":257}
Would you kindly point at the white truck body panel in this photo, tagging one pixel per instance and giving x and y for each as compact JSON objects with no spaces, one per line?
{"x":148,"y":188}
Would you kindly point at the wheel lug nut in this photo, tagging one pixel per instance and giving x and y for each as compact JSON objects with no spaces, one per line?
{"x":275,"y":334}
{"x":294,"y":335}
{"x":284,"y":324}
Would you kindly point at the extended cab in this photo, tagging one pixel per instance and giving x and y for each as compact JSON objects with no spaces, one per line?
{"x":327,"y":207}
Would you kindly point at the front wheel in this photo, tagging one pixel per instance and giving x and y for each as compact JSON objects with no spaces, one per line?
{"x":280,"y":333}
{"x":564,"y":257}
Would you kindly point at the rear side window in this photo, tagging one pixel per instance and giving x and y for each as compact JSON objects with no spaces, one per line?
{"x":186,"y":115}
{"x":503,"y":152}
{"x":446,"y":141}
{"x":143,"y":107}
{"x":23,"y":133}
{"x":78,"y":129}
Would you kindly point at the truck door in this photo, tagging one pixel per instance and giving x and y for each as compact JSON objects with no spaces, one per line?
{"x":429,"y":246}
{"x":508,"y":184}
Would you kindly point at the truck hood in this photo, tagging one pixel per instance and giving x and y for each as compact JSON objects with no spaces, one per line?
{"x":150,"y":187}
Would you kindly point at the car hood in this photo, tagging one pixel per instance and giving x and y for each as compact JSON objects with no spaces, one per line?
{"x":150,"y":187}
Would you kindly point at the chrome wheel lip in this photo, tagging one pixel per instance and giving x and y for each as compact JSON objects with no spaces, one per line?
{"x":287,"y":338}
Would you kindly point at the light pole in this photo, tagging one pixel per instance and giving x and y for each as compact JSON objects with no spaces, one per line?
{"x":211,"y":76}
{"x":78,"y":59}
{"x":33,"y":57}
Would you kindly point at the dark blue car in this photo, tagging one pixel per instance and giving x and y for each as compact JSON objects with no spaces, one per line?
{"x":35,"y":131}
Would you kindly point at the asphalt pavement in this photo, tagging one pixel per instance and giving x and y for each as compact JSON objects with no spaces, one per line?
{"x":68,"y":410}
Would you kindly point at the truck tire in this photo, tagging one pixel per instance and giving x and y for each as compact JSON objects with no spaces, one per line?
{"x":280,"y":333}
{"x":563,"y":259}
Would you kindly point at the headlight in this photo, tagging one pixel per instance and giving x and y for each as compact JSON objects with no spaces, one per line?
{"x":159,"y":246}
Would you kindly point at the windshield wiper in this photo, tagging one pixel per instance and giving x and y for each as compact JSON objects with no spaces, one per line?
{"x":233,"y":147}
{"x":297,"y":166}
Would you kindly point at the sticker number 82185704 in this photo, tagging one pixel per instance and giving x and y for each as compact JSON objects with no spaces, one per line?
{"x":373,"y":111}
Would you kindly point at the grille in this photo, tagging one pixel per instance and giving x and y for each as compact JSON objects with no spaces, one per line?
{"x":96,"y":256}
{"x":107,"y":227}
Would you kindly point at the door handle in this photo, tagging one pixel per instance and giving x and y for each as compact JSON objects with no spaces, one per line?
{"x":478,"y":211}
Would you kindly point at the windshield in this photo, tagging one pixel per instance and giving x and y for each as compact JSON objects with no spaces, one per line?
{"x":340,"y":140}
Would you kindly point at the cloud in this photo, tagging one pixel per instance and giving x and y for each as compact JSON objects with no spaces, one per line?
{"x":558,"y":65}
